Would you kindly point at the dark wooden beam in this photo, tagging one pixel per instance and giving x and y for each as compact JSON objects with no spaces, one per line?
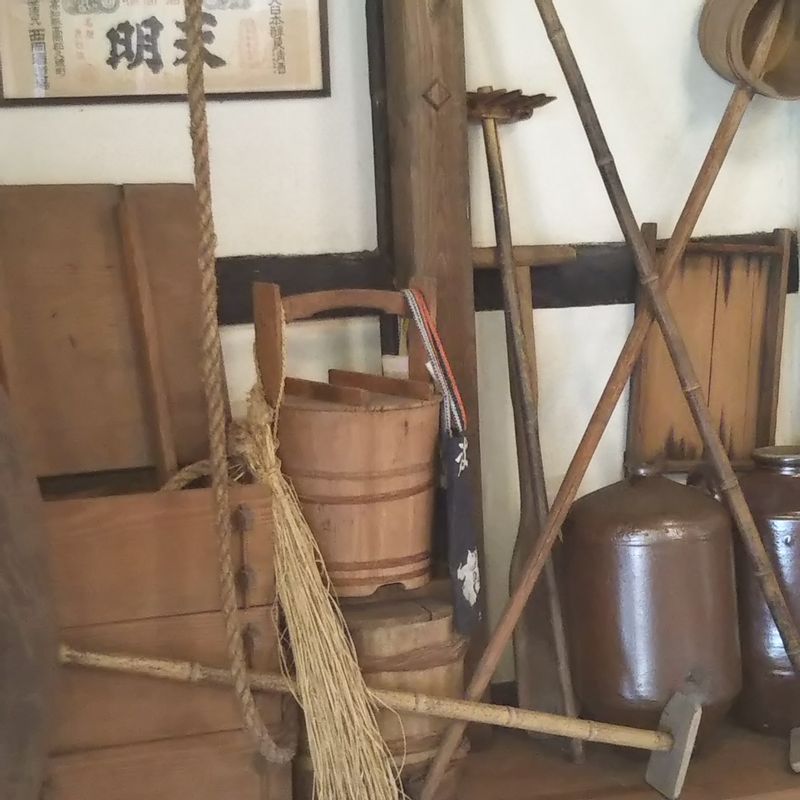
{"x":376,"y":54}
{"x":295,"y":275}
{"x":601,"y":274}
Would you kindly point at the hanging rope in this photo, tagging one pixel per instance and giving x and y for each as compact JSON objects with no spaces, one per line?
{"x":214,"y":384}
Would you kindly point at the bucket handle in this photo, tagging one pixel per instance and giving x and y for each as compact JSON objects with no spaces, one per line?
{"x":269,"y":331}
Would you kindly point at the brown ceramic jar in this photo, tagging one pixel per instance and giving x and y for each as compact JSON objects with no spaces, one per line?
{"x":651,"y":601}
{"x":770,"y":700}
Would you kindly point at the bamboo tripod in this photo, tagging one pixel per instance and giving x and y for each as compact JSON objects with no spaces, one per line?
{"x":659,"y":308}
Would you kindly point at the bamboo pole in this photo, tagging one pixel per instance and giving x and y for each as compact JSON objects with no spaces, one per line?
{"x":720,"y":146}
{"x":189,"y":672}
{"x":522,"y":374}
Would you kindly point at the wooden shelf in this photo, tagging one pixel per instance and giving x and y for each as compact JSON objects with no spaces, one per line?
{"x":739,"y":766}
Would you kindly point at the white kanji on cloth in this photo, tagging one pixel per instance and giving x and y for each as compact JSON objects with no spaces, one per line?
{"x":461,"y":457}
{"x":470,"y":577}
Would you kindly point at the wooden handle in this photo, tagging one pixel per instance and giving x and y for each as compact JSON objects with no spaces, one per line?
{"x":269,"y":338}
{"x":269,"y":330}
{"x":304,"y":306}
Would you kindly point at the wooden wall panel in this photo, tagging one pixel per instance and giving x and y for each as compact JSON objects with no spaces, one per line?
{"x":664,"y":417}
{"x":168,"y":223}
{"x":69,"y":338}
{"x":66,"y":318}
{"x":738,"y":337}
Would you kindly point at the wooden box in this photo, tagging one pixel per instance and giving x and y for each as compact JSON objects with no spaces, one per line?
{"x":138,"y":574}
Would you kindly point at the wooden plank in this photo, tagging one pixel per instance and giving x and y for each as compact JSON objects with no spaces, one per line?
{"x":140,"y":296}
{"x":269,"y":345}
{"x":68,"y":345}
{"x":419,"y":390}
{"x":199,"y":767}
{"x":535,"y":659}
{"x":739,"y":354}
{"x":69,"y":338}
{"x":98,"y":709}
{"x":426,"y":86}
{"x":318,"y":390}
{"x":168,"y":220}
{"x":133,"y":557}
{"x":664,"y":426}
{"x":773,"y":339}
{"x":736,"y":350}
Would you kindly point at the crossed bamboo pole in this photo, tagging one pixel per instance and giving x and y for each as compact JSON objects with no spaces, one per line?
{"x":658,"y":308}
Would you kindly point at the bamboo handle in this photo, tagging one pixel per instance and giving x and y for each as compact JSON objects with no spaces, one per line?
{"x":729,"y":125}
{"x":441,"y":707}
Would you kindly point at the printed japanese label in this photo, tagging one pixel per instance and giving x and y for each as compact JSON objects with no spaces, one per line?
{"x":118,"y":48}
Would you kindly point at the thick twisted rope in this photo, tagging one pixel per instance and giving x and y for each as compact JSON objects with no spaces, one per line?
{"x":213,"y":381}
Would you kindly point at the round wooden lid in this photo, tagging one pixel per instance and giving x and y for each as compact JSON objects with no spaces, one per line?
{"x":393,"y":610}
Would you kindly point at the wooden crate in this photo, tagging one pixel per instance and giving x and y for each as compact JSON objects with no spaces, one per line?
{"x":138,"y":574}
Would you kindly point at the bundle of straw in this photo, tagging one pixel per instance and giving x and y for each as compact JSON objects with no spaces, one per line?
{"x":351,"y":760}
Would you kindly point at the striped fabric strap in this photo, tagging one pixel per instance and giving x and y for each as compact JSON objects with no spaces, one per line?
{"x":453,"y":416}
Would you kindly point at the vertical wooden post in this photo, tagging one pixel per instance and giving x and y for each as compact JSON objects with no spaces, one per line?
{"x":426,"y":101}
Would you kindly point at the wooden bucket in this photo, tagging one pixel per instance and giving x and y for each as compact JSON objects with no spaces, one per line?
{"x":405,"y":641}
{"x":365,"y":476}
{"x":728,"y":32}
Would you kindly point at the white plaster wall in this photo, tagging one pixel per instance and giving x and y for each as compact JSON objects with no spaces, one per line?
{"x":660,"y":104}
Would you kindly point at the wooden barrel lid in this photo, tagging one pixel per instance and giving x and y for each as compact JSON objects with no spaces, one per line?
{"x":399,"y":631}
{"x":374,"y":612}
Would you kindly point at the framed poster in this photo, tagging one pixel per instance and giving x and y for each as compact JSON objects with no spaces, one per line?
{"x":63,"y":51}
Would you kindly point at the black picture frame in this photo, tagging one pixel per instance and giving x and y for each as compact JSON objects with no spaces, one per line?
{"x":212,"y":97}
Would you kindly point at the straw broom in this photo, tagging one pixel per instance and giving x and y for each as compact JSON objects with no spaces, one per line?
{"x":351,"y":760}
